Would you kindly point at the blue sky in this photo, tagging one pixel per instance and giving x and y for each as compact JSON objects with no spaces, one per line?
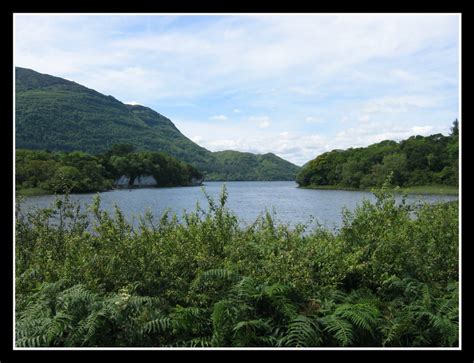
{"x":294,"y":85}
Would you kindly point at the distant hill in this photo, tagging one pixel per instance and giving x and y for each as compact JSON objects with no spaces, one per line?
{"x":60,"y":115}
{"x":418,"y":160}
{"x":248,"y":166}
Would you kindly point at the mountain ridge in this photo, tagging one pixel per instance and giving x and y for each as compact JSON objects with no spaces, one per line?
{"x":62,"y":115}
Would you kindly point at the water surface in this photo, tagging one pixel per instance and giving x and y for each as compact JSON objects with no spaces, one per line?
{"x":247,"y":200}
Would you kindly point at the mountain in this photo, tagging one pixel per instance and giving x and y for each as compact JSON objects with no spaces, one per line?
{"x":60,"y":115}
{"x":247,"y":166}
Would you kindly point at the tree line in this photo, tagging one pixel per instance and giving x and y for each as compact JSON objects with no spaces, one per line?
{"x":415,"y":161}
{"x":77,"y":171}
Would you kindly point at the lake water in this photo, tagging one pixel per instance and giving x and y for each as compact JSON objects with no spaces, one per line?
{"x":247,"y":200}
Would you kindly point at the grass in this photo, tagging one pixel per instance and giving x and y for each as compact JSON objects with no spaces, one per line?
{"x":332,"y":187}
{"x":418,"y":189}
{"x":431,"y":189}
{"x":31,"y":192}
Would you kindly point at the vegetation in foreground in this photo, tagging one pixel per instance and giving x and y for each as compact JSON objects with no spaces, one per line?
{"x":417,"y":161}
{"x":388,"y":277}
{"x":45,"y":172}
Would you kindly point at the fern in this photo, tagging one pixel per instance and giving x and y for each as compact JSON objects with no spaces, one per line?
{"x":339,"y":328}
{"x":33,"y":342}
{"x":392,"y":331}
{"x":201,"y":342}
{"x":224,"y":313}
{"x":159,"y":325}
{"x":246,"y":289}
{"x":302,"y":332}
{"x":361,"y":315}
{"x":251,"y":325}
{"x":218,"y":274}
{"x":59,"y":325}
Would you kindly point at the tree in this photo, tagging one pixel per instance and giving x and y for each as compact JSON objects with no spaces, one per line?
{"x":455,"y":128}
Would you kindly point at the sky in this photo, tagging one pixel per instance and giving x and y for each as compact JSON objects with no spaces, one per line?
{"x":297,"y":85}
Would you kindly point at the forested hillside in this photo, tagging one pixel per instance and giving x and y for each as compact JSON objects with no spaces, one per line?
{"x":59,"y":115}
{"x":417,"y":160}
{"x":234,"y":165}
{"x":78,"y":172}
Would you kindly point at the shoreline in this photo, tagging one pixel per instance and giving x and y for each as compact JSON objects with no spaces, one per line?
{"x":35,"y":192}
{"x":417,"y":189}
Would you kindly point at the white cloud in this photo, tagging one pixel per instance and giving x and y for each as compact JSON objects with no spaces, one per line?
{"x":297,"y":147}
{"x":301,"y":90}
{"x":197,"y":139}
{"x":261,"y":121}
{"x":421,"y":130}
{"x":264,"y":124}
{"x":133,"y":103}
{"x":314,"y":120}
{"x":229,"y":48}
{"x":391,"y":104}
{"x":219,"y":118}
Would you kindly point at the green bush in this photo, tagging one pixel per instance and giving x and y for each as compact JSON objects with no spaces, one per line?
{"x":388,"y":277}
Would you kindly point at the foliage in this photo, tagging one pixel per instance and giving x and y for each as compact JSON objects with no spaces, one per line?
{"x":59,"y":115}
{"x":234,"y":165}
{"x":388,"y":277}
{"x":416,"y":161}
{"x":77,"y":171}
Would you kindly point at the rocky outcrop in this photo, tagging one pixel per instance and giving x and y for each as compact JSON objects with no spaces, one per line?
{"x":122,"y":182}
{"x":196,"y":181}
{"x":139,"y":181}
{"x":145,"y":181}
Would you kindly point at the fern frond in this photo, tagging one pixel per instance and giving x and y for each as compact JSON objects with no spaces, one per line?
{"x":160,"y":325}
{"x":275,"y":290}
{"x":394,"y":331}
{"x":340,"y":329}
{"x":246,"y":289}
{"x":277,"y":296}
{"x":33,"y":342}
{"x":361,"y":315}
{"x":201,"y":342}
{"x":58,"y":325}
{"x":224,"y":310}
{"x":302,"y":332}
{"x":251,"y":325}
{"x":91,"y":326}
{"x":222,"y":274}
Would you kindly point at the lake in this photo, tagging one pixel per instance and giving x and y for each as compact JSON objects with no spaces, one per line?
{"x":247,"y":200}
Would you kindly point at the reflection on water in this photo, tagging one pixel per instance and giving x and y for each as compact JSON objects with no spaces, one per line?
{"x":247,"y":200}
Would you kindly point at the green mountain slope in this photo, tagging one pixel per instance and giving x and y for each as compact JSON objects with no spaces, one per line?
{"x":247,"y":166}
{"x":60,"y":115}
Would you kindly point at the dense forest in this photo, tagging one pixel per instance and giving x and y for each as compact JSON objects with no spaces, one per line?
{"x":55,"y":114}
{"x":416,"y":161}
{"x":235,"y":165}
{"x":77,"y":171}
{"x":387,"y":278}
